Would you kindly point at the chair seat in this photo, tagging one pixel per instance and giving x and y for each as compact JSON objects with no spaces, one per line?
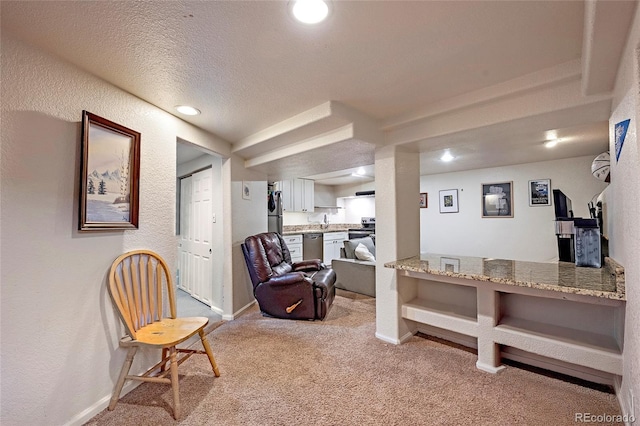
{"x":169,"y":332}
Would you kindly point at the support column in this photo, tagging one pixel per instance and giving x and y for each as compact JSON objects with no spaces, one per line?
{"x":488,"y":314}
{"x":397,"y":237}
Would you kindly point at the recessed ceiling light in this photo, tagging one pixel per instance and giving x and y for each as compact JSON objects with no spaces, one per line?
{"x":446,"y":157}
{"x":310,"y":11}
{"x":551,"y":143}
{"x":187,"y":110}
{"x":360,"y":171}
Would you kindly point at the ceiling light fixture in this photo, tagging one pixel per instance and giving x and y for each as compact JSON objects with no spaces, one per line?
{"x":552,"y":143}
{"x":361,"y":175}
{"x":187,"y":110}
{"x":310,"y":11}
{"x":360,"y":171}
{"x":446,"y":157}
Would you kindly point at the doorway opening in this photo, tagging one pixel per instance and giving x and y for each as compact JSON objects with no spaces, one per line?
{"x":199,"y":270}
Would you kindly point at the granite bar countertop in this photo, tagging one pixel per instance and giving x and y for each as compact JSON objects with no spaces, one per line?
{"x":315,"y":228}
{"x":606,"y":282}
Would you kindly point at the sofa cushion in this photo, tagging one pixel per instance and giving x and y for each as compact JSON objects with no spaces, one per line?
{"x":363,"y":253}
{"x":350,"y":247}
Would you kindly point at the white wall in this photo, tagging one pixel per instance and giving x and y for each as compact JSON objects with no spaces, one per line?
{"x":350,"y":190}
{"x":623,"y":201}
{"x":59,"y":349}
{"x":217,"y":228}
{"x":355,"y":208}
{"x":529,"y":235}
{"x":248,"y":217}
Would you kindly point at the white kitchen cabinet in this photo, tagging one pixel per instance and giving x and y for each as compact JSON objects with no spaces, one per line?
{"x":286,"y":194}
{"x":297,"y":195}
{"x":303,"y":193}
{"x":332,"y":243}
{"x":294,"y":244}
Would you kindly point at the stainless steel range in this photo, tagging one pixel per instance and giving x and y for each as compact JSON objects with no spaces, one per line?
{"x":368,"y":228}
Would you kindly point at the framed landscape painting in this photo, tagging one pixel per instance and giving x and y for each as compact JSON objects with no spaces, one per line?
{"x":109,"y":177}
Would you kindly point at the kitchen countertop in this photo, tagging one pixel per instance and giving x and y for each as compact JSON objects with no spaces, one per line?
{"x":606,"y":282}
{"x":307,"y":229}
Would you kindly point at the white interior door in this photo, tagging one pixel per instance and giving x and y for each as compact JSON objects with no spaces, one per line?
{"x":184,"y":247}
{"x":195,"y":235}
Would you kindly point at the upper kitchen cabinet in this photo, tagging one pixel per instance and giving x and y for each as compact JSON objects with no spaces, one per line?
{"x":286,"y":189}
{"x":303,"y":196}
{"x":297,"y":195}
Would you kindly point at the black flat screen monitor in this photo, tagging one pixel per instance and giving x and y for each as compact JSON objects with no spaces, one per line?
{"x":562,"y":204}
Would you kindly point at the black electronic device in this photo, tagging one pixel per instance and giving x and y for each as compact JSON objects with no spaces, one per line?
{"x":562,"y":204}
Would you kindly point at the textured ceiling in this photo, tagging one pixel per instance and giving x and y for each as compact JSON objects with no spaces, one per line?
{"x":249,"y":66}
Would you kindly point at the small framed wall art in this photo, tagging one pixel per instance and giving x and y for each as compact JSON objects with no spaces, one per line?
{"x":110,"y":173}
{"x":246,"y":190}
{"x":497,"y":199}
{"x":423,"y":200}
{"x":539,"y":192}
{"x":449,"y":201}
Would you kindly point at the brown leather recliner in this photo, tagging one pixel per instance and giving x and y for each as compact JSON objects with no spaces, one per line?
{"x":301,"y":290}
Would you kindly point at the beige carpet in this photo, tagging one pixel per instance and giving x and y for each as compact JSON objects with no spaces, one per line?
{"x":279,"y":372}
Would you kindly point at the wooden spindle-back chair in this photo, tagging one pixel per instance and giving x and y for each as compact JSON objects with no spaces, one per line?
{"x":139,"y":282}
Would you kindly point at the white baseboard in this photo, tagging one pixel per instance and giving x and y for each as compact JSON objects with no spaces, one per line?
{"x":387,"y":339}
{"x":627,"y":411}
{"x":489,"y":368}
{"x":393,"y":341}
{"x":96,"y":408}
{"x":217,"y":310}
{"x":238,"y":312}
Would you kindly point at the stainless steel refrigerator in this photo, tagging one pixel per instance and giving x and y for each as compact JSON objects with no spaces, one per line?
{"x":274,"y":212}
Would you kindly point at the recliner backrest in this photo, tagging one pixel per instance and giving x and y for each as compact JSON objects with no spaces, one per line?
{"x":266,"y":255}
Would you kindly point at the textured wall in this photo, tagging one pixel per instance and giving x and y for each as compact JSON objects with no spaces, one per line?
{"x":59,"y":351}
{"x":624,"y":203}
{"x":529,"y":235}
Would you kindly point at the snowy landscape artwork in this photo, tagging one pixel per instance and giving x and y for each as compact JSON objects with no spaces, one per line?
{"x":110,"y":170}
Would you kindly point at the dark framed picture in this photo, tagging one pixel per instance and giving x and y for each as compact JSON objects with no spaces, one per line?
{"x":497,"y":199}
{"x":110,"y":174}
{"x":539,"y":192}
{"x":449,"y":201}
{"x":423,"y":200}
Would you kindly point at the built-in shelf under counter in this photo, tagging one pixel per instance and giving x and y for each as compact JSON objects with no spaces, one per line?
{"x":552,"y":315}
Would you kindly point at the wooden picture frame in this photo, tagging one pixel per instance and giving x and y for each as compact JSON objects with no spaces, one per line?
{"x":423,"y":200}
{"x":497,"y":200}
{"x":540,"y":192}
{"x":110,"y":174}
{"x":449,"y":201}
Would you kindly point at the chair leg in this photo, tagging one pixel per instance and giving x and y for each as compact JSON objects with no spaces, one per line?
{"x":207,"y":349}
{"x":174,"y":382}
{"x":164,"y":356}
{"x":123,"y":374}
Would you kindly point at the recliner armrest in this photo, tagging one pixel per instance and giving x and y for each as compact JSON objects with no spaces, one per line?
{"x":308,"y":265}
{"x":288,"y":279}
